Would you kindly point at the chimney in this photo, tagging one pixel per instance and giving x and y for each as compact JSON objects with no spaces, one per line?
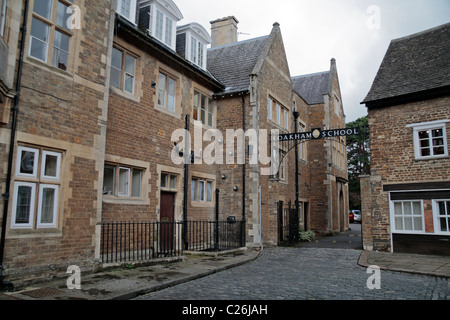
{"x":224,"y":31}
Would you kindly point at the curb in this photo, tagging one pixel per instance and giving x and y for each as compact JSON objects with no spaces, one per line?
{"x":141,"y":292}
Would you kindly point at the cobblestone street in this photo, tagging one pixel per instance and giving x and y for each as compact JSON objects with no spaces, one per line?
{"x":306,"y":273}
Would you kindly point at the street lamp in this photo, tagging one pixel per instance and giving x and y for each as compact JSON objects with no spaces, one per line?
{"x":296,"y":115}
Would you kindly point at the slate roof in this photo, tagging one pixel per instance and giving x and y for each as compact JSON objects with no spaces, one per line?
{"x":232,"y":64}
{"x":412,"y":64}
{"x":312,"y":87}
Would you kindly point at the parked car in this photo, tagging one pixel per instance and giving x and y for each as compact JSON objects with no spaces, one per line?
{"x":351,"y":217}
{"x":357,"y":215}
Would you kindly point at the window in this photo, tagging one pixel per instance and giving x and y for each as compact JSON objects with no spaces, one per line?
{"x":2,"y":17}
{"x":302,"y":147}
{"x":408,"y":216}
{"x":442,"y":209}
{"x":201,"y":190}
{"x":168,"y":182}
{"x":44,"y":28}
{"x":122,"y":181}
{"x":127,"y":9}
{"x":164,"y":28}
{"x":166,"y":92}
{"x":123,"y":68}
{"x":197,"y":52}
{"x":278,"y":114}
{"x":31,"y":183}
{"x":430,"y":140}
{"x":203,"y":109}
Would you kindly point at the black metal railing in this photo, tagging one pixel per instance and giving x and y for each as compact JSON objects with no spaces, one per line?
{"x":125,"y":241}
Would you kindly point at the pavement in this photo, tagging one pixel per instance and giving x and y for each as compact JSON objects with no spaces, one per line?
{"x":131,"y":281}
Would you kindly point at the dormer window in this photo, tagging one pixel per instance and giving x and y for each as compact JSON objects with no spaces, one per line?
{"x":127,"y":9}
{"x":160,"y":17}
{"x":192,"y":43}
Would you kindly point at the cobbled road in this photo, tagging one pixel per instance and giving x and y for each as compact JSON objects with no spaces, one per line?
{"x":306,"y":273}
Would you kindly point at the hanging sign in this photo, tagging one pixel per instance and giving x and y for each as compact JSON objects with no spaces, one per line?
{"x":318,"y":134}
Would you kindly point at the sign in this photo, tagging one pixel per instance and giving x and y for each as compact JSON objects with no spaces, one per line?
{"x":318,"y":134}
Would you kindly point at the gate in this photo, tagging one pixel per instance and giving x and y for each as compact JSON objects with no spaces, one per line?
{"x":288,"y":224}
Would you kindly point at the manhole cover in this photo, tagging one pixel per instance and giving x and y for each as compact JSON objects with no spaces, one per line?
{"x":42,"y":293}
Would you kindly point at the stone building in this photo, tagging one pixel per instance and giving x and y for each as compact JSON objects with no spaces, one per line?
{"x":405,"y":200}
{"x":107,"y":89}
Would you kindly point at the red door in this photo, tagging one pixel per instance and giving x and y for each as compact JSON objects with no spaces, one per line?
{"x":167,"y":219}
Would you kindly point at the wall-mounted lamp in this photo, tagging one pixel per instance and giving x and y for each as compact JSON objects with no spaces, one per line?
{"x":224,"y":176}
{"x":235,"y":188}
{"x":153,"y":84}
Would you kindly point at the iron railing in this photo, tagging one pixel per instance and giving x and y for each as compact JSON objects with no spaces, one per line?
{"x":125,"y":241}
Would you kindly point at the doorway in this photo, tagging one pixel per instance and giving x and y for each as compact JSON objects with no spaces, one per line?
{"x":167,"y":220}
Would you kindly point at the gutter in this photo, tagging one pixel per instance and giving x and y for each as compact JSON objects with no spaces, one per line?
{"x":8,"y":286}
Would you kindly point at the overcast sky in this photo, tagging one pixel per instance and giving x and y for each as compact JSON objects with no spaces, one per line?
{"x":356,"y":33}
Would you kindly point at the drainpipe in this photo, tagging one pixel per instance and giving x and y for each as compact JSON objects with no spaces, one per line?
{"x":8,"y":286}
{"x":186,"y":175}
{"x":244,"y":241}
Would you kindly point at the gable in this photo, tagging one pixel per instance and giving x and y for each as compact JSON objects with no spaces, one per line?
{"x":413,"y":64}
{"x":312,"y":87}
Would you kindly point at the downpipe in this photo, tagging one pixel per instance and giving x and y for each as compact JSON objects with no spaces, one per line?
{"x":5,"y":285}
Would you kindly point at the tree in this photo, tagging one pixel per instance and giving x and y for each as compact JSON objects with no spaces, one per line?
{"x":358,"y":159}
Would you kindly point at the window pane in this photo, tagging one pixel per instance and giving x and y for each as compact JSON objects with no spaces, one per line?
{"x":63,"y":14}
{"x":129,"y":83}
{"x":209,"y":191}
{"x":60,"y":56}
{"x":24,"y":204}
{"x":443,"y":223}
{"x":164,"y":178}
{"x":124,"y":181}
{"x":125,"y":8}
{"x":193,"y":190}
{"x":407,"y":208}
{"x":417,"y":223}
{"x":417,"y":208}
{"x":130,"y":64}
{"x":159,"y":24}
{"x":171,"y":95}
{"x":168,"y":39}
{"x":162,"y":89}
{"x":136,"y":183}
{"x":116,"y":68}
{"x":43,"y":8}
{"x":196,"y":105}
{"x":173,"y":182}
{"x":423,"y":134}
{"x":399,"y":223}
{"x":50,"y":166}
{"x":28,"y":162}
{"x":408,"y":223}
{"x":39,"y":39}
{"x":437,"y":133}
{"x":201,"y":190}
{"x":109,"y":175}
{"x":48,"y":205}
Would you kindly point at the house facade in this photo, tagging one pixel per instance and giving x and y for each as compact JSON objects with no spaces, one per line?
{"x":125,"y":116}
{"x":406,"y":198}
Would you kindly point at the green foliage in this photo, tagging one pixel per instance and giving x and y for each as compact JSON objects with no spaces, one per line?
{"x":307,"y":235}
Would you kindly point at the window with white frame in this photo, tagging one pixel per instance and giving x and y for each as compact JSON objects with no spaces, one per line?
{"x":430,"y":140}
{"x":442,"y":215}
{"x":197,"y":52}
{"x":122,"y":181}
{"x":123,"y":69}
{"x":164,"y":28}
{"x":127,"y":9}
{"x":201,"y":190}
{"x":2,"y":17}
{"x":37,"y":175}
{"x":407,"y":216}
{"x":166,"y":91}
{"x":203,"y":109}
